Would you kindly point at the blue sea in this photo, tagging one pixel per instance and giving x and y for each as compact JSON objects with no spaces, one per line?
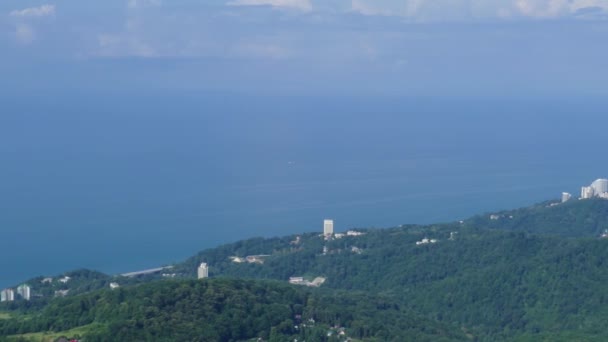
{"x":123,"y":182}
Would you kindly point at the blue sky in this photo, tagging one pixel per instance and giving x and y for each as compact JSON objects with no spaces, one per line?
{"x":296,"y":47}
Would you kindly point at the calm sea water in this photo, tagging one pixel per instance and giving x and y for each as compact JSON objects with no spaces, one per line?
{"x":121,"y":183}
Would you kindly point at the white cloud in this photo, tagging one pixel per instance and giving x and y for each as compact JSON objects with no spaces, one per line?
{"x":34,"y":12}
{"x":556,"y":8}
{"x":304,"y":5}
{"x":24,"y":33}
{"x":433,"y":10}
{"x":544,"y":8}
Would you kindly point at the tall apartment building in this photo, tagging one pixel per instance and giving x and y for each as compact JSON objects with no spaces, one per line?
{"x":328,"y":227}
{"x":7,"y":295}
{"x":586,"y":192}
{"x":203,"y":271}
{"x":25,"y":291}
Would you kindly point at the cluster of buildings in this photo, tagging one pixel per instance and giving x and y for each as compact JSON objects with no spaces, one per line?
{"x":318,"y":281}
{"x":23,"y":292}
{"x":328,"y":231}
{"x":63,"y":280}
{"x":426,"y":241}
{"x":599,"y":188}
{"x":252,"y":259}
{"x":348,"y":233}
{"x":328,"y":234}
{"x":49,"y":280}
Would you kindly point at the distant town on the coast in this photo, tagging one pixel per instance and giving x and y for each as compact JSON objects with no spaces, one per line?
{"x":599,"y":188}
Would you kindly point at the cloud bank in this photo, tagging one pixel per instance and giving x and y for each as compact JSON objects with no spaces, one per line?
{"x":448,"y":10}
{"x":34,"y":12}
{"x":288,"y":46}
{"x":24,"y":22}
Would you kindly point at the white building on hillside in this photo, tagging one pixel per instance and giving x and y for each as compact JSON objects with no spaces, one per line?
{"x":296,"y":280}
{"x":600,"y":186}
{"x":7,"y":295}
{"x":566,"y":197}
{"x":425,"y":241}
{"x":586,"y":192}
{"x":203,"y":271}
{"x":25,"y":291}
{"x":328,"y":227}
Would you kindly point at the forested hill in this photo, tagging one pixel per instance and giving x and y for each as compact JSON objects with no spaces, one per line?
{"x":225,"y":310}
{"x":502,"y":284}
{"x":489,"y":277}
{"x":575,"y":218}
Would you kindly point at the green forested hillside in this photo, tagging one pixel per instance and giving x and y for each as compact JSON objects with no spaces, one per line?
{"x":501,"y":285}
{"x":575,"y":218}
{"x":229,"y":310}
{"x":530,"y":274}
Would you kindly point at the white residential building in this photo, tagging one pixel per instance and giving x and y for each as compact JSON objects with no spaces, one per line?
{"x":328,"y":227}
{"x":25,"y":291}
{"x":318,"y":281}
{"x":566,"y":197}
{"x":586,"y":192}
{"x":237,"y":259}
{"x":61,"y":293}
{"x":296,"y":280}
{"x":203,"y":271}
{"x":7,"y":295}
{"x":600,"y":186}
{"x":114,"y":286}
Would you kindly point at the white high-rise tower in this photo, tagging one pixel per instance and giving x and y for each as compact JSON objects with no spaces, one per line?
{"x":203,"y":271}
{"x":24,"y":291}
{"x":328,"y":227}
{"x":586,"y":192}
{"x":7,"y":295}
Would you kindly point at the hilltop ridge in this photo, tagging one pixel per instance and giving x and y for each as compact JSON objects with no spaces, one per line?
{"x":574,"y":218}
